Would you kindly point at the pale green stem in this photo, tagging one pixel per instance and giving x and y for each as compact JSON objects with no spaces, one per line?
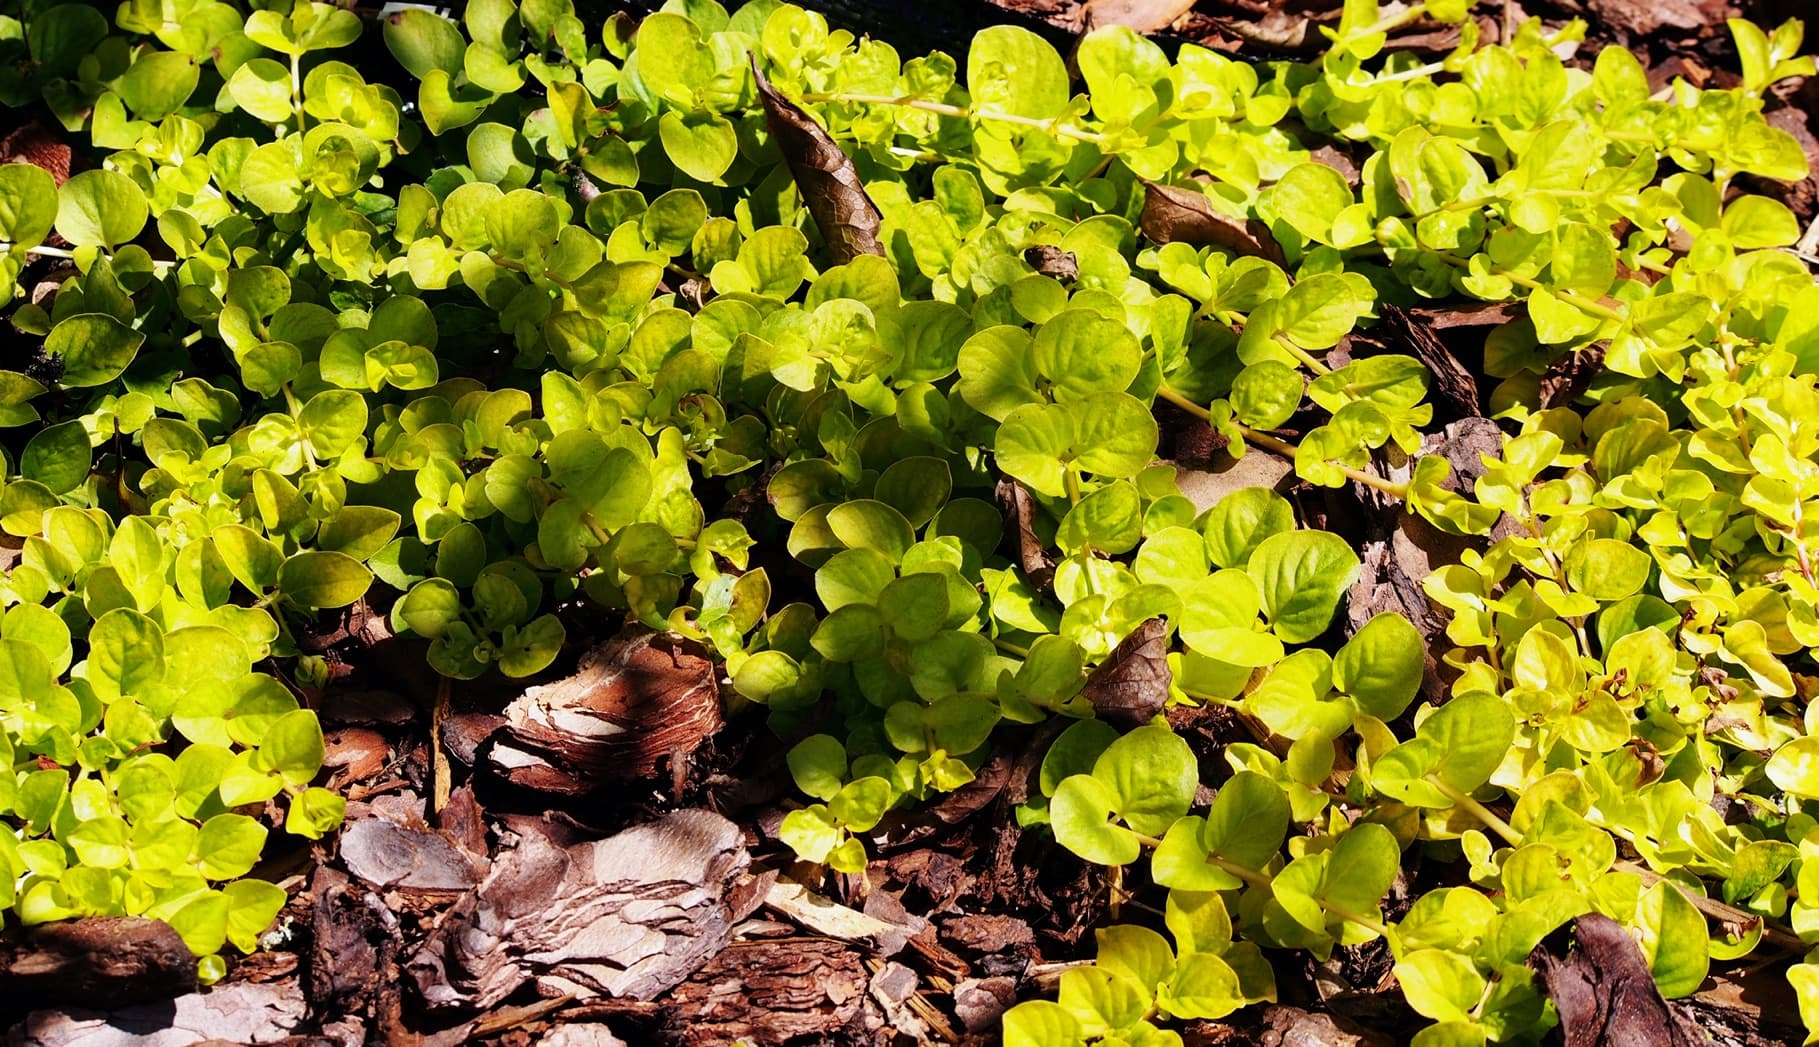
{"x":1054,"y":127}
{"x":1484,"y":814}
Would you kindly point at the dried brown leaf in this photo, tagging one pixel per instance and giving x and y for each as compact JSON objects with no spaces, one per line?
{"x":1571,"y":375}
{"x":1131,"y":685}
{"x":1481,"y":314}
{"x":1052,"y":261}
{"x":1144,"y":16}
{"x":1174,"y":213}
{"x":829,"y":183}
{"x":1020,"y":512}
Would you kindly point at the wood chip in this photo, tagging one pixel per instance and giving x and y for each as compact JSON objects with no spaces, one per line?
{"x":798,"y":990}
{"x":807,"y":909}
{"x":387,"y":852}
{"x":1604,"y":991}
{"x":120,"y":959}
{"x":825,"y":176}
{"x":988,"y":933}
{"x":1052,"y":261}
{"x":241,"y":1013}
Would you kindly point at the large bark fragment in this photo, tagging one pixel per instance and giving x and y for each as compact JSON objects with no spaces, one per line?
{"x":635,"y":700}
{"x":352,"y":976}
{"x":386,"y":851}
{"x":119,"y":959}
{"x":627,"y":916}
{"x":243,"y":1014}
{"x":1603,"y":990}
{"x":1401,"y":549}
{"x":1454,"y":385}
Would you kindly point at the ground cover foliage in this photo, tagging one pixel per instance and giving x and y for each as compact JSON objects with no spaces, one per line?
{"x":553,"y":315}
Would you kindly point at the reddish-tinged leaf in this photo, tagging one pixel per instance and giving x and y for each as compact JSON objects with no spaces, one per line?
{"x":1174,"y":213}
{"x":829,"y":183}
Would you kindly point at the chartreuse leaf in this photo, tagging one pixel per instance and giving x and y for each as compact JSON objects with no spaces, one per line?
{"x":28,"y":204}
{"x":1140,"y":785}
{"x":100,"y":208}
{"x":1674,"y":940}
{"x":1302,"y":575}
{"x":1232,"y":844}
{"x":1015,"y":71}
{"x":1381,"y":666}
{"x":577,"y":346}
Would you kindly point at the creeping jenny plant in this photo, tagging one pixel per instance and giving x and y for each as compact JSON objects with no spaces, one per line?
{"x":530,"y":313}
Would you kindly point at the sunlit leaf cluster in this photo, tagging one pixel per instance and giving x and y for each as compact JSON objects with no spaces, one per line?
{"x":503,"y":323}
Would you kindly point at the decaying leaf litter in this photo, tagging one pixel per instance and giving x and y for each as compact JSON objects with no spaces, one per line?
{"x":599,"y":852}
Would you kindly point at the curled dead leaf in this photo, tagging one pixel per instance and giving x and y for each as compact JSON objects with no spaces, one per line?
{"x":1020,"y":512}
{"x":1131,"y":685}
{"x":825,"y":176}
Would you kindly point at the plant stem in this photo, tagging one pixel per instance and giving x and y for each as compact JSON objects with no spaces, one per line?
{"x":1412,"y":74}
{"x":1053,"y":127}
{"x":1181,"y":401}
{"x":1257,"y":879}
{"x":1716,"y":909}
{"x":1010,"y":648}
{"x":1573,"y":298}
{"x":1395,"y":21}
{"x":1307,"y":359}
{"x":297,"y":89}
{"x":1484,"y":814}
